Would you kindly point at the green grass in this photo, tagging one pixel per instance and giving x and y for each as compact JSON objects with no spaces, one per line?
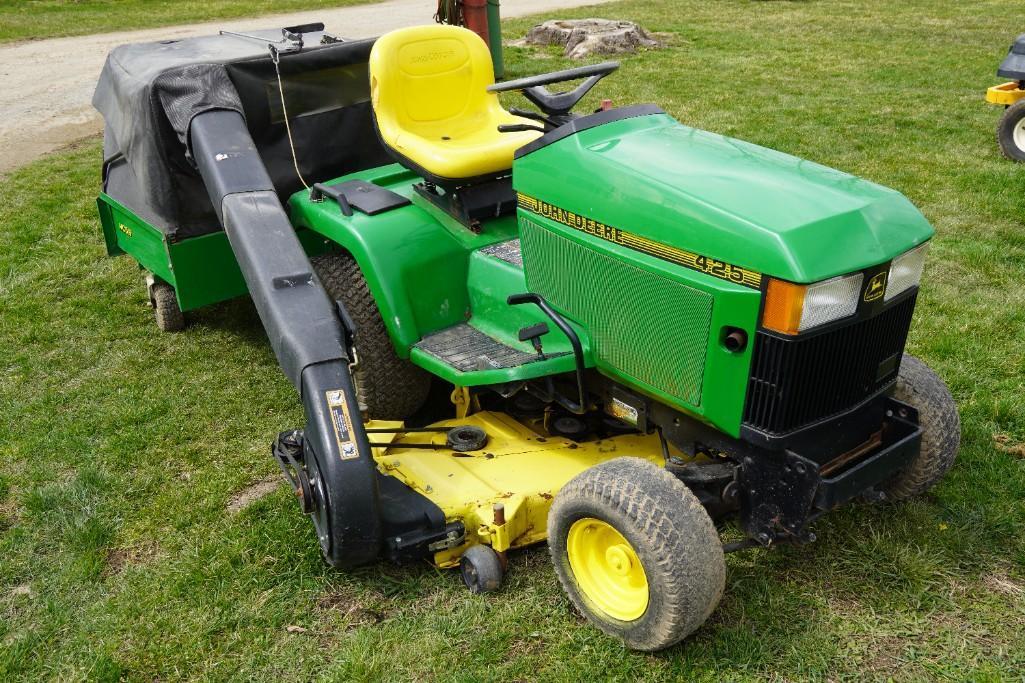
{"x":35,"y":19}
{"x":120,"y":447}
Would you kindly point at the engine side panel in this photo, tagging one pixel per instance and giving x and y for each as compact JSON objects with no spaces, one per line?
{"x":654,"y":325}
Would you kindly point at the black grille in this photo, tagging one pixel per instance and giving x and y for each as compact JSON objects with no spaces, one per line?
{"x":801,"y":380}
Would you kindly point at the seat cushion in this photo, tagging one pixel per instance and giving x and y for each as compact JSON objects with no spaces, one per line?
{"x":463,"y":151}
{"x":431,"y":104}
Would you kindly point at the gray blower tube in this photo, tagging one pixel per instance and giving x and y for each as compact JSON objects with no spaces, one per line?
{"x":305,"y":329}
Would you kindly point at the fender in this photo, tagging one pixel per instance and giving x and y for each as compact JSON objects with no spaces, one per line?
{"x":415,"y":268}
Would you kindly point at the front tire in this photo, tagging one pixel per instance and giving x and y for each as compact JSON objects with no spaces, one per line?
{"x":636,"y":553}
{"x":1011,"y":132}
{"x":921,"y":388}
{"x":391,"y":388}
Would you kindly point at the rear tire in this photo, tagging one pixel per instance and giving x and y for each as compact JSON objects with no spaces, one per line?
{"x":391,"y":388}
{"x":166,"y":310}
{"x":1011,"y":132}
{"x":921,"y":388}
{"x":626,"y":512}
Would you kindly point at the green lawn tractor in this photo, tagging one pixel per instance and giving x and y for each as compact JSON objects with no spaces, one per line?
{"x":1011,"y":128}
{"x":608,"y":331}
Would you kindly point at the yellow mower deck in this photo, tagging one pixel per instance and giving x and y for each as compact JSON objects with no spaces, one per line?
{"x":519,"y":468}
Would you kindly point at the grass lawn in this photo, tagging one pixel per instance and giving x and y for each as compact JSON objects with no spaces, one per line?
{"x":34,"y":19}
{"x":121,"y":448}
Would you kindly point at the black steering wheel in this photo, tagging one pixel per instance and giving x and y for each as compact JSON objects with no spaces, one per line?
{"x":557,"y":105}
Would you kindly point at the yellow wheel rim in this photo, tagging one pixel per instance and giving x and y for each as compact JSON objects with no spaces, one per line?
{"x":607,"y":570}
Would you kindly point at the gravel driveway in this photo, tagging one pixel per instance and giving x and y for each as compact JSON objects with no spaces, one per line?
{"x":47,"y":85}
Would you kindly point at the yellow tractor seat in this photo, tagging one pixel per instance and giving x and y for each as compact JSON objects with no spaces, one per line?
{"x":428,"y":87}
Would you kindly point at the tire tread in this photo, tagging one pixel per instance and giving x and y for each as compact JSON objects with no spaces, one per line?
{"x":390,"y":387}
{"x":923,"y":389}
{"x":166,"y":310}
{"x":683,"y":550}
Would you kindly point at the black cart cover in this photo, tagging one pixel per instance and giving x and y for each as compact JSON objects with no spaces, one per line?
{"x":149,"y":93}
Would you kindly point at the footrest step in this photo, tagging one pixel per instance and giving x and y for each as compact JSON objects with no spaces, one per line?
{"x":467,"y":349}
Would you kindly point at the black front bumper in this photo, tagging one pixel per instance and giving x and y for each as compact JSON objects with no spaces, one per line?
{"x":781,"y":492}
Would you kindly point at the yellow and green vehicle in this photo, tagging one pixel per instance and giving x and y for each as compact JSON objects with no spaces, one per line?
{"x":1010,"y":95}
{"x":608,"y":331}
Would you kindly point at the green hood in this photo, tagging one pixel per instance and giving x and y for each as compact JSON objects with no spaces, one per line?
{"x":723,"y":198}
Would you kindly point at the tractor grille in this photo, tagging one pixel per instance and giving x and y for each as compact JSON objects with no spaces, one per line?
{"x":645,"y":327}
{"x":798,"y":381}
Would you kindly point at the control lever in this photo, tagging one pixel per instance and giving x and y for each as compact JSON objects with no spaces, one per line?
{"x":527,"y":114}
{"x":580,"y":406}
{"x":518,"y":128}
{"x":533,"y":334}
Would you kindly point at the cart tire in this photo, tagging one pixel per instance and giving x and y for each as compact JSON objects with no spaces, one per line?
{"x":920,"y":387}
{"x":166,"y":310}
{"x":1011,"y":132}
{"x":481,"y":568}
{"x":391,"y":388}
{"x":629,"y":514}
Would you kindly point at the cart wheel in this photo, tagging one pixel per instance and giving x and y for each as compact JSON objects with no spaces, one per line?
{"x":482,"y":569}
{"x":1011,"y":132}
{"x":636,"y":553}
{"x":165,"y":306}
{"x":390,"y":387}
{"x":920,"y":387}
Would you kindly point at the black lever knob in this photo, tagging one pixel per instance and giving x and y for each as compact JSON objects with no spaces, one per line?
{"x":518,"y":128}
{"x":533,"y":334}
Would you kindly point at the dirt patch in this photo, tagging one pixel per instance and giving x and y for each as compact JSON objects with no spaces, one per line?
{"x":24,"y":590}
{"x":887,"y":658}
{"x":9,"y":516}
{"x":1005,"y":444}
{"x":253,"y":493}
{"x":532,"y":645}
{"x":352,"y":608}
{"x":1005,"y":585}
{"x":341,"y":600}
{"x":119,"y":559}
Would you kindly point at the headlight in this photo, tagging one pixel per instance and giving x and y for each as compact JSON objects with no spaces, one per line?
{"x":906,"y":271}
{"x":791,"y":308}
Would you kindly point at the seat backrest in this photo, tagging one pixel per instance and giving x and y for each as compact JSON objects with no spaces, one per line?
{"x":424,"y":76}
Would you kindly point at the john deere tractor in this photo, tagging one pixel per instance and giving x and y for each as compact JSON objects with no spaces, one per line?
{"x":605,"y":330}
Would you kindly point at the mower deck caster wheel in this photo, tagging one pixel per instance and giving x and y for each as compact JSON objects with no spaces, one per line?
{"x":481,"y":568}
{"x":164,"y":301}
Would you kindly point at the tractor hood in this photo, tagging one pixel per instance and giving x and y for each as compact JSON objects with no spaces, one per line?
{"x":647,"y":174}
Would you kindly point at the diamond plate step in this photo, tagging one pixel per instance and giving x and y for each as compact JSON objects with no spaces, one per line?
{"x":467,"y":349}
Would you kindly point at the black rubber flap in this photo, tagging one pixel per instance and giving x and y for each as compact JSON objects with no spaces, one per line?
{"x":366,"y":197}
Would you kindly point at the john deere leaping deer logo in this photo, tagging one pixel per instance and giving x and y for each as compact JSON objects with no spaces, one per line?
{"x":876,"y":286}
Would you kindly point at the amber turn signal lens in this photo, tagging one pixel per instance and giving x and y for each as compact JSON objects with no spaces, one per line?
{"x":784,"y":302}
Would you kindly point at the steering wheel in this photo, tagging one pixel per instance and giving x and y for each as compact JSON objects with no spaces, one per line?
{"x":557,"y":105}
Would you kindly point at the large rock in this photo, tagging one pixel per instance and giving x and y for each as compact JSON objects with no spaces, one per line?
{"x":583,"y":37}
